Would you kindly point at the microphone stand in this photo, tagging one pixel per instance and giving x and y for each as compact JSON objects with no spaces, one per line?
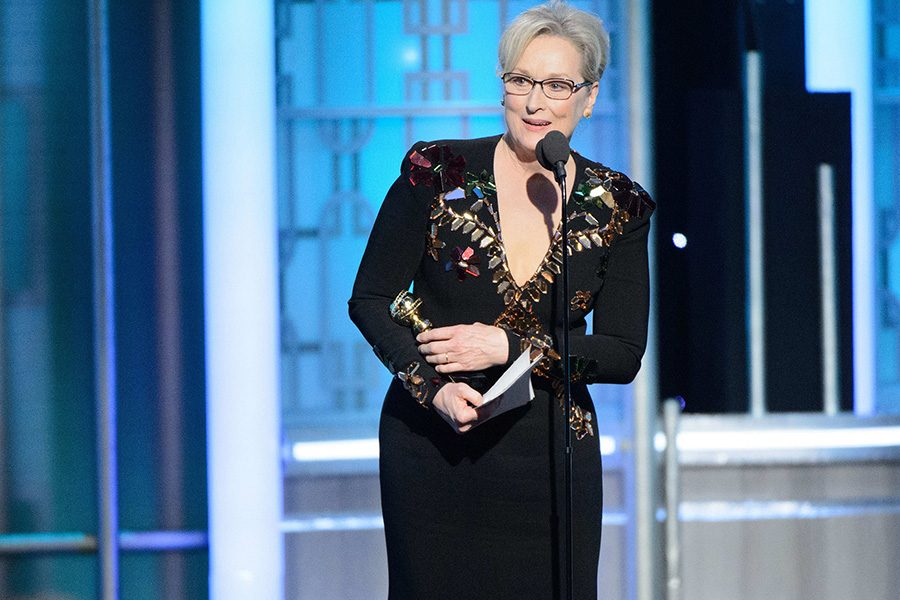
{"x":560,"y":173}
{"x":554,"y":156}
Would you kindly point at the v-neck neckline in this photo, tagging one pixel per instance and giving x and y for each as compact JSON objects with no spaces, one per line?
{"x":551,"y":249}
{"x":555,"y":240}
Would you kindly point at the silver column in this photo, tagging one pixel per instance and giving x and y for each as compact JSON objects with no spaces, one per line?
{"x":753,"y":118}
{"x":104,"y":307}
{"x":644,"y":549}
{"x":828,"y":274}
{"x":671,"y":416}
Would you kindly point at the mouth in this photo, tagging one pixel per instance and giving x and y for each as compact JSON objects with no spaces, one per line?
{"x":535,"y":124}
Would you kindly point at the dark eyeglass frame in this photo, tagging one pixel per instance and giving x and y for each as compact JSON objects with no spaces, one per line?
{"x":575,"y":86}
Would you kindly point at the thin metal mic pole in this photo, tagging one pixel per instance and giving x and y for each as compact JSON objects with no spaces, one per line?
{"x":104,"y":301}
{"x":559,"y":154}
{"x":567,"y":390}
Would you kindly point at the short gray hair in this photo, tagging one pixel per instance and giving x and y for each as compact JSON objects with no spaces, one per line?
{"x":558,"y":18}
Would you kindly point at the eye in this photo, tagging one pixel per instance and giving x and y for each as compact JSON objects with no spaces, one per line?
{"x":518,"y":80}
{"x":558,"y":85}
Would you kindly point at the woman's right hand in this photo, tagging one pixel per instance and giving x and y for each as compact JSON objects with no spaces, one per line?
{"x":456,"y":403}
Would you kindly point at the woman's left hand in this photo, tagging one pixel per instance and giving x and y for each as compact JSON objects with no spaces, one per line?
{"x":464,"y":347}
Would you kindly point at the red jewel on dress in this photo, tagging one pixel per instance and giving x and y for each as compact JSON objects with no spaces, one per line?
{"x":464,"y":261}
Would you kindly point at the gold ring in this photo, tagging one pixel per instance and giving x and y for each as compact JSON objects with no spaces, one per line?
{"x":446,"y":358}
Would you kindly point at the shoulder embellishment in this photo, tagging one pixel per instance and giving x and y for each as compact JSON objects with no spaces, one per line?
{"x":613,"y":189}
{"x":436,"y":166}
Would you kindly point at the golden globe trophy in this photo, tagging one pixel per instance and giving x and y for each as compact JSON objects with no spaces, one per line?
{"x":405,"y":311}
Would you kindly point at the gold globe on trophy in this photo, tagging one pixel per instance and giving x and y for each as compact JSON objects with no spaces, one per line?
{"x":405,"y":311}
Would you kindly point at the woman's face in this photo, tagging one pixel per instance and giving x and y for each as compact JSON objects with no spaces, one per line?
{"x":530,"y":117}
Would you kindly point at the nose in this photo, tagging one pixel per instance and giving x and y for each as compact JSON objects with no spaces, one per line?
{"x":535,"y":99}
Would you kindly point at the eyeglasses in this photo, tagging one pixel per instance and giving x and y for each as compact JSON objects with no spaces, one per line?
{"x":555,"y":89}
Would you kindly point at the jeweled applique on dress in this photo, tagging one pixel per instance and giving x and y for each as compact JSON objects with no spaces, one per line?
{"x":465,"y":203}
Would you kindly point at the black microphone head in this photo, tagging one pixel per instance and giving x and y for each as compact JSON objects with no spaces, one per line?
{"x":552,"y":151}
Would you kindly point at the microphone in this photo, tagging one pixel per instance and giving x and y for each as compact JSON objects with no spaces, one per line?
{"x":553,"y":152}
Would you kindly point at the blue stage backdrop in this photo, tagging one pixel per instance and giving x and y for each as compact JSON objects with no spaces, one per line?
{"x":358,"y":83}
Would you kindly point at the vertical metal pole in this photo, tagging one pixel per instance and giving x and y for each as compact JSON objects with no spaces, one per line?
{"x":828,"y":271}
{"x":104,"y":305}
{"x":3,"y":466}
{"x":567,"y":394}
{"x":645,"y":556}
{"x":753,"y":118}
{"x":671,"y":415}
{"x":168,"y":314}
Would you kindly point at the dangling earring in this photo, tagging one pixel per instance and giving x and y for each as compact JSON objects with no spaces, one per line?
{"x":502,"y":101}
{"x":587,"y":113}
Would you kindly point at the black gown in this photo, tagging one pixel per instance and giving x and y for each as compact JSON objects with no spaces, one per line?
{"x":480,"y":515}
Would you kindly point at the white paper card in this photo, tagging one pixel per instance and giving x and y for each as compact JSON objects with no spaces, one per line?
{"x":512,"y":389}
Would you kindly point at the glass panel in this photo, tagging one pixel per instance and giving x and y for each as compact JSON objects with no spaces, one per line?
{"x":70,"y":577}
{"x":886,"y":78}
{"x":48,"y":475}
{"x":46,"y":355}
{"x":173,"y":576}
{"x":159,"y":302}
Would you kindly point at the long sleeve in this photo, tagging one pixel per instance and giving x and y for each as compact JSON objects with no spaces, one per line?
{"x":612,"y":353}
{"x":394,"y":252}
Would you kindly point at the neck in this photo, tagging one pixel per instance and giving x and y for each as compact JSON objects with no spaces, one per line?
{"x":526,"y":163}
{"x":520,"y":159}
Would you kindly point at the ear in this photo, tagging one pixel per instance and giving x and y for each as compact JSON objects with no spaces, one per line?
{"x":592,"y":97}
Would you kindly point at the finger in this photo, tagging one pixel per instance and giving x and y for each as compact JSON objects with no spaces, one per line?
{"x":451,"y":367}
{"x":446,"y":365}
{"x":463,"y":402}
{"x":472,"y":398}
{"x":440,"y":359}
{"x":468,"y":416}
{"x":432,"y":348}
{"x":437,"y":333}
{"x":454,"y":422}
{"x":469,"y":420}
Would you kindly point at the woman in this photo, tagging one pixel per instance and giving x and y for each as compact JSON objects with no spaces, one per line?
{"x":474,"y":510}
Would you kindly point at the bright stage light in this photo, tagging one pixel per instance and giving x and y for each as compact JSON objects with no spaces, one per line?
{"x":362,"y":449}
{"x":784,"y":439}
{"x":367,"y":449}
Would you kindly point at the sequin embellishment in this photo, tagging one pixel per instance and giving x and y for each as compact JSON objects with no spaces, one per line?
{"x":463,"y":204}
{"x":581,"y":301}
{"x":415,"y":384}
{"x":464,"y":261}
{"x":613,"y":189}
{"x":436,"y":166}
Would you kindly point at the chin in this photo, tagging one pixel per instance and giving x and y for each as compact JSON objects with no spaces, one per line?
{"x":525,"y":143}
{"x":531,"y":138}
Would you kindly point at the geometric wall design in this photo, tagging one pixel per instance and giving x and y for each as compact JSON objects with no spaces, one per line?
{"x":359,"y":81}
